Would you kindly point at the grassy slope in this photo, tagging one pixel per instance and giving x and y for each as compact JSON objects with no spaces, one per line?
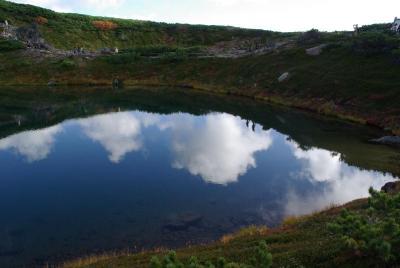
{"x":68,"y":31}
{"x":300,"y":242}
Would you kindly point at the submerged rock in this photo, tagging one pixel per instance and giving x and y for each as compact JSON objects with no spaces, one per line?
{"x":181,"y":222}
{"x":388,"y":140}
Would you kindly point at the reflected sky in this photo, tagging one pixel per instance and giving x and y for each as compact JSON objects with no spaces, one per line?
{"x":218,"y":147}
{"x":341,"y":182}
{"x":115,"y":179}
{"x":32,"y":145}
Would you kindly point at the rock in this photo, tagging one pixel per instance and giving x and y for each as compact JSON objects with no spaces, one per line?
{"x":51,"y":83}
{"x":388,"y":140}
{"x":31,"y":36}
{"x":284,"y":77}
{"x":182,"y":222}
{"x":316,"y":51}
{"x":391,"y":187}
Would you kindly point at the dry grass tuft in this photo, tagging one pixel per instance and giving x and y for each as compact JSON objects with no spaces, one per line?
{"x":245,"y":232}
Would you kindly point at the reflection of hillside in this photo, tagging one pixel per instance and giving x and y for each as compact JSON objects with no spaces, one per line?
{"x":51,"y":106}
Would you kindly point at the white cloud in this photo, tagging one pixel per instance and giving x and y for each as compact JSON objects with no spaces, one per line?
{"x":118,"y":133}
{"x":33,"y":145}
{"x":220,"y":150}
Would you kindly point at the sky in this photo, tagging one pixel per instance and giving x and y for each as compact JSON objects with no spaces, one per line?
{"x":277,"y":15}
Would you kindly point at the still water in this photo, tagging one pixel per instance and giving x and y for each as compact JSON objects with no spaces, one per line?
{"x":129,"y":178}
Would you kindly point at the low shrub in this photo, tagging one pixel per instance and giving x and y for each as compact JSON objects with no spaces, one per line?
{"x":375,"y":233}
{"x":371,"y":43}
{"x":261,"y":259}
{"x":310,"y":37}
{"x":10,"y":45}
{"x":67,"y":63}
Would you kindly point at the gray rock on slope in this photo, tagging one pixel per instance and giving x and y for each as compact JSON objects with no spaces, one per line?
{"x":284,"y":77}
{"x":316,"y":51}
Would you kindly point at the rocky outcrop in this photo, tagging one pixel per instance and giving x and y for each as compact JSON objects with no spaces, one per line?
{"x":31,"y":36}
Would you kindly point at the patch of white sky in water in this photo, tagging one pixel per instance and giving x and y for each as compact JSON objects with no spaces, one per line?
{"x":277,"y":15}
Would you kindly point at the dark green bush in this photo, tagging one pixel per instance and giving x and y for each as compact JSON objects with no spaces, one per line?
{"x":382,"y":28}
{"x":375,"y":233}
{"x":10,"y":45}
{"x":371,"y":43}
{"x":310,"y":37}
{"x":123,"y":58}
{"x":67,"y":63}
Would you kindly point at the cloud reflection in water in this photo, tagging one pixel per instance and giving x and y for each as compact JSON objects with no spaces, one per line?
{"x":340,"y":182}
{"x":118,"y":133}
{"x":33,"y":145}
{"x":219,"y":150}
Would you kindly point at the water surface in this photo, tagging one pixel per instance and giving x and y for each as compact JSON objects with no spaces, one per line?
{"x":140,"y":178}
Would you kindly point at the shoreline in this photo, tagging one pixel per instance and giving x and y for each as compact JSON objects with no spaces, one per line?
{"x":313,"y":106}
{"x":248,"y":235}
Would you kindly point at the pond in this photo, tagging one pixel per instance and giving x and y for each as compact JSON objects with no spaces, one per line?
{"x":143,"y":169}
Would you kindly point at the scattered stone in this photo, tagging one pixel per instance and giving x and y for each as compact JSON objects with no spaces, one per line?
{"x":284,"y":77}
{"x":388,"y":140}
{"x":391,"y":187}
{"x":182,"y":222}
{"x":316,"y":51}
{"x":52,"y":83}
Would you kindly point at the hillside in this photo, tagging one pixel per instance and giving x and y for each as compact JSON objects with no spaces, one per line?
{"x":68,"y":31}
{"x":354,"y":77}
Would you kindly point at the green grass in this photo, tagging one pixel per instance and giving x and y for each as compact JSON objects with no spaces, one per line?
{"x":10,"y":45}
{"x":68,"y":31}
{"x":354,"y":87}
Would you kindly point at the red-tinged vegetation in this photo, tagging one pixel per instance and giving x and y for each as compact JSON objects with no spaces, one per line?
{"x":41,"y":20}
{"x":104,"y":25}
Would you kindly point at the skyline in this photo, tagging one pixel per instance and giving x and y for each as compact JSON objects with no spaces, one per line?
{"x":283,"y":15}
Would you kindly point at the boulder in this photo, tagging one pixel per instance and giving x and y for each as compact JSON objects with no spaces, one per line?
{"x":284,"y":77}
{"x":316,"y":51}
